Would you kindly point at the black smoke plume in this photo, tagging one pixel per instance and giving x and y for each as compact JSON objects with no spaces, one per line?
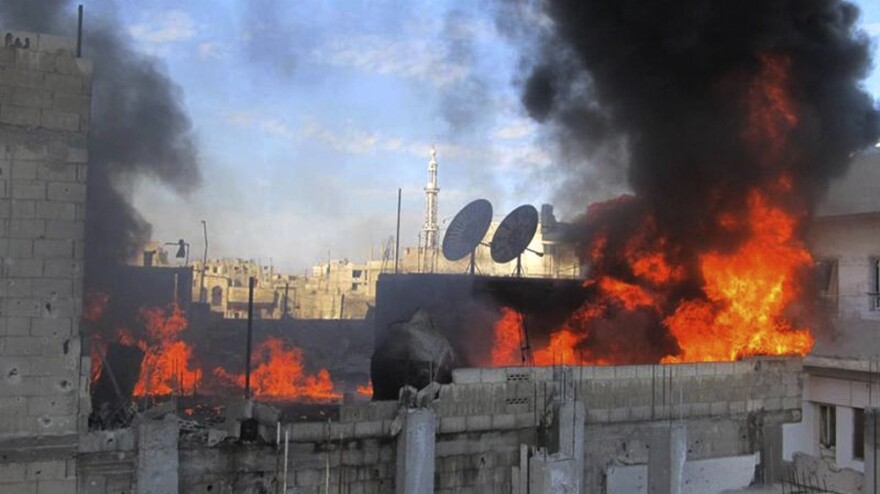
{"x":662,"y":82}
{"x":705,"y":103}
{"x":139,"y":128}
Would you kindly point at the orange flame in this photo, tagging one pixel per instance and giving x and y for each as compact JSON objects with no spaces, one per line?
{"x":744,"y":292}
{"x":366,"y":389}
{"x":507,"y":343}
{"x":747,"y":292}
{"x":166,"y":368}
{"x":279,"y":375}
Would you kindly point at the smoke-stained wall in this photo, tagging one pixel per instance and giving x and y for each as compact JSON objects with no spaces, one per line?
{"x":44,"y":123}
{"x":139,"y":127}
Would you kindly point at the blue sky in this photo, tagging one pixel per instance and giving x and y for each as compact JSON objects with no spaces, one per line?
{"x":309,"y":116}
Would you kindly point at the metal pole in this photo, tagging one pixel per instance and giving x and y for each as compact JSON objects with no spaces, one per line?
{"x":250,"y":331}
{"x":397,"y":237}
{"x":286,"y":446}
{"x":202,"y":294}
{"x":79,"y":31}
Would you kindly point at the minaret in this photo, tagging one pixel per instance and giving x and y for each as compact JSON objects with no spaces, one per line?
{"x":431,"y":191}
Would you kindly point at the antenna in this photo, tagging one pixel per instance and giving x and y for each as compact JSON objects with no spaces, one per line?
{"x":466,"y":231}
{"x":513,"y":236}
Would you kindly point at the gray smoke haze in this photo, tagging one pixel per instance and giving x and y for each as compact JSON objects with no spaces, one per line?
{"x":139,"y":127}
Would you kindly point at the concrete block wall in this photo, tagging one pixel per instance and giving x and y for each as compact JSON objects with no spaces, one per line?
{"x":44,"y":121}
{"x":484,"y":419}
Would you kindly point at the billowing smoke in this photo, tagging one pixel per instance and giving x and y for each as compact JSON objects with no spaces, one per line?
{"x":139,"y":127}
{"x":666,"y":79}
{"x":730,"y":118}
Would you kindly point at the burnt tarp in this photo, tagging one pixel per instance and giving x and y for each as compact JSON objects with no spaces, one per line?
{"x":465,"y":308}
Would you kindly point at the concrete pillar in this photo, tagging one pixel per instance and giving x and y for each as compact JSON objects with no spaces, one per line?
{"x":158,"y":460}
{"x":551,"y":474}
{"x":771,"y":453}
{"x":569,"y":437}
{"x":872,"y":459}
{"x":666,"y":456}
{"x":415,"y":453}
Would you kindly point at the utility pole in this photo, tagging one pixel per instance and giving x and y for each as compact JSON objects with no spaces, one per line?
{"x":202,"y":295}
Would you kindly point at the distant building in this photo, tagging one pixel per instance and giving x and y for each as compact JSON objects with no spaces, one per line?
{"x":842,"y":375}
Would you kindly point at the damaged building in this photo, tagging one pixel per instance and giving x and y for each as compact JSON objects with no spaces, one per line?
{"x":647,"y":346}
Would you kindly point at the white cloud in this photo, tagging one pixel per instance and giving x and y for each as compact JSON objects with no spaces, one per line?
{"x":873,"y":29}
{"x":515,"y":129}
{"x":170,"y":27}
{"x":212,"y":51}
{"x":411,"y":59}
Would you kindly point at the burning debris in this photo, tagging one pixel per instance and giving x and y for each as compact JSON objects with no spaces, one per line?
{"x":733,"y":117}
{"x":280,"y":375}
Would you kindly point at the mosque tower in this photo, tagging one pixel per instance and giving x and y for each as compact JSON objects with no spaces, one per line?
{"x":431,"y":190}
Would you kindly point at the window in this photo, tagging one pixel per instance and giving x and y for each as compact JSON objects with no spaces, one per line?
{"x":148,"y":258}
{"x":827,"y":426}
{"x":354,"y":287}
{"x":874,"y":291}
{"x":216,"y":296}
{"x":355,"y":273}
{"x":858,"y":434}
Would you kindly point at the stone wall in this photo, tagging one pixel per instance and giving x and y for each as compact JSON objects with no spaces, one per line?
{"x":486,"y":415}
{"x":44,"y":120}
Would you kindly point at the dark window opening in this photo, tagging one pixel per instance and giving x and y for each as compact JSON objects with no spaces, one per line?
{"x":356,"y":273}
{"x":858,"y":434}
{"x":827,"y":426}
{"x":216,"y":296}
{"x":148,"y":258}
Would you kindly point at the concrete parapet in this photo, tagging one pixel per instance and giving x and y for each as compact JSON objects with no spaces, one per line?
{"x":415,"y":453}
{"x":158,"y":460}
{"x":667,"y":454}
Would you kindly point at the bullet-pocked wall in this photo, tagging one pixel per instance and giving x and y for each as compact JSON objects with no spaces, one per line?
{"x":45,"y":100}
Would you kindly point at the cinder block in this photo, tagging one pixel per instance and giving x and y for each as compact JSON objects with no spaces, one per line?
{"x":625,"y":372}
{"x":53,"y":44}
{"x":49,"y":470}
{"x":72,"y":103}
{"x":464,"y":375}
{"x":56,"y":210}
{"x":56,"y":486}
{"x":48,"y":288}
{"x":31,"y":98}
{"x":22,"y":209}
{"x":28,"y":189}
{"x":24,"y":170}
{"x":30,"y":151}
{"x":22,"y":77}
{"x":53,"y":327}
{"x":503,"y":421}
{"x":56,"y":120}
{"x":53,"y":249}
{"x":367,"y":429}
{"x":12,"y":472}
{"x":56,"y":172}
{"x":77,"y":155}
{"x":64,"y":83}
{"x":20,"y":248}
{"x":449,"y":425}
{"x":22,"y":307}
{"x":15,"y":326}
{"x":478,"y":422}
{"x":20,"y":115}
{"x":488,"y":375}
{"x":67,"y":191}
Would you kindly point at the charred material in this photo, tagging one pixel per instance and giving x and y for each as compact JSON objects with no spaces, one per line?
{"x":112,"y":392}
{"x":414,"y":354}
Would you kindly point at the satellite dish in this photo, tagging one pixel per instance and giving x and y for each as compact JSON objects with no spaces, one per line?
{"x":514,"y":234}
{"x":467,"y":230}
